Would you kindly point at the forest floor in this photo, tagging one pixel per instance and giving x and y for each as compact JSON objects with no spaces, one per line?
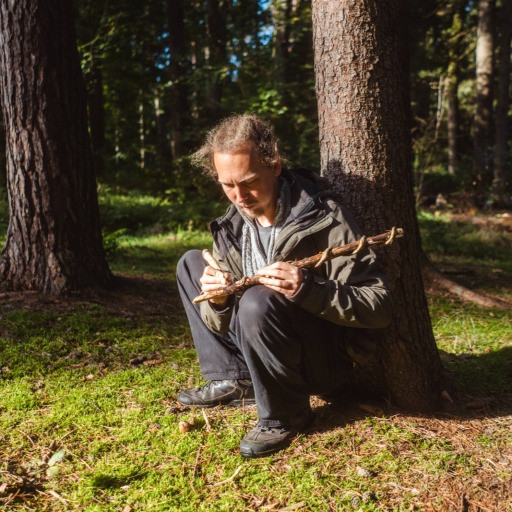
{"x":89,"y":418}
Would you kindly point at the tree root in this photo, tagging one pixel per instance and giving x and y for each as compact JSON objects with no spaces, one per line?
{"x":433,"y":277}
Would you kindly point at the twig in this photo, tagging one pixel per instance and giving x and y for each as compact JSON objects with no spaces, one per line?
{"x":230,"y":479}
{"x":206,"y":421}
{"x":313,"y":261}
{"x":27,"y":436}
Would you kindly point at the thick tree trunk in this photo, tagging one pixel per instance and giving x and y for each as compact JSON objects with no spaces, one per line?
{"x":180,"y":108}
{"x":483,"y":106}
{"x":502,"y":174}
{"x":365,"y":154}
{"x":54,"y":238}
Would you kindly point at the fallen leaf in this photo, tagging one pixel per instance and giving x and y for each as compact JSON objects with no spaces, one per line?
{"x":53,"y":472}
{"x":152,"y":362}
{"x":56,"y":457}
{"x":184,"y":426}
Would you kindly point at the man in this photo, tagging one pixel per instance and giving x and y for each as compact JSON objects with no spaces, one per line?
{"x":282,"y":341}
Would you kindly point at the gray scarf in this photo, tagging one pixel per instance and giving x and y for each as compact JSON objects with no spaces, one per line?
{"x":253,"y":258}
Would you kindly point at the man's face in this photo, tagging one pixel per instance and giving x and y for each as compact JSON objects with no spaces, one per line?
{"x":248,"y":183}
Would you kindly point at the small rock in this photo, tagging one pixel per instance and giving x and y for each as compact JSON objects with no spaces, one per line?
{"x":367,"y":497}
{"x":363,"y":472}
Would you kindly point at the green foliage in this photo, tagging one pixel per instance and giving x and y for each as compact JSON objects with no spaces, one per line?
{"x":440,"y":235}
{"x":133,"y":212}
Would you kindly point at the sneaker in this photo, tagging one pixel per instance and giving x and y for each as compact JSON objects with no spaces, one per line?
{"x":219,"y":392}
{"x":262,"y":441}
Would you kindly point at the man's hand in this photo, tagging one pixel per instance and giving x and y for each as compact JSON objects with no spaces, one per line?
{"x":282,"y":277}
{"x":212,"y":280}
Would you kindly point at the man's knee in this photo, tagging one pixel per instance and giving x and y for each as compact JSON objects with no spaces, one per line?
{"x":190,"y":266}
{"x":259,"y":303}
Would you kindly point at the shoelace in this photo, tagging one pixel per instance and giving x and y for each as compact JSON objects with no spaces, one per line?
{"x":271,"y":429}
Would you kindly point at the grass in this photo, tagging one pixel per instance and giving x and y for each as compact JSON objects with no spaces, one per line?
{"x":89,"y":421}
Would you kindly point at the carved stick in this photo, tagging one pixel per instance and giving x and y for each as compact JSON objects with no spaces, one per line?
{"x":317,"y":260}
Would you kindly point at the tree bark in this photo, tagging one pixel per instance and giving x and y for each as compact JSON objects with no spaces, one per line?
{"x":54,"y":238}
{"x":365,"y":154}
{"x":483,"y":106}
{"x":502,"y":179}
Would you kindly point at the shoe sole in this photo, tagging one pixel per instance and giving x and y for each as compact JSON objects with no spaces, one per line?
{"x":234,"y":403}
{"x":251,"y":454}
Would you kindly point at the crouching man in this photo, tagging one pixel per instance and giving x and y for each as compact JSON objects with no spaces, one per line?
{"x":282,"y":341}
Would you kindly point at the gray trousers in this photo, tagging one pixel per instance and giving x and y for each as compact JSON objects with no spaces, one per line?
{"x":288,"y":352}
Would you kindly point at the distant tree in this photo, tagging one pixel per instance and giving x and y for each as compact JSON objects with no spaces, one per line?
{"x":178,"y":68}
{"x":483,"y":106}
{"x":217,"y":52}
{"x":54,"y":239}
{"x":365,"y":154}
{"x":452,"y":85}
{"x":502,"y":181}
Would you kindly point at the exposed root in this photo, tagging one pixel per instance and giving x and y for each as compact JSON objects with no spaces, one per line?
{"x":436,"y":280}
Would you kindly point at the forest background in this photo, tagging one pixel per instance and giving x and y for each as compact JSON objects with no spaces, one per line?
{"x":87,"y":382}
{"x":149,"y":111}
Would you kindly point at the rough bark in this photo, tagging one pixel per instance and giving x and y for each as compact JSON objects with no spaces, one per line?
{"x":365,"y":154}
{"x":54,"y":239}
{"x":502,"y":179}
{"x":483,"y":106}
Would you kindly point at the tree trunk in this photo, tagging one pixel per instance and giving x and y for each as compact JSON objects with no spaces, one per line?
{"x":483,"y":106}
{"x":180,"y":108}
{"x":365,"y":154}
{"x":502,"y":175}
{"x":217,"y":60}
{"x":452,"y":117}
{"x":281,"y":13}
{"x":54,"y":238}
{"x":96,"y":110}
{"x":452,"y":88}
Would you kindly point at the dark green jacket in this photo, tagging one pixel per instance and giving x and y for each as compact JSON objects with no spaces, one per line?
{"x":349,"y":291}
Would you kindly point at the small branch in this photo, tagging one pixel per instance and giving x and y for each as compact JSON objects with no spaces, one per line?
{"x":230,"y":479}
{"x":317,"y":260}
{"x":206,"y":421}
{"x":437,"y":280}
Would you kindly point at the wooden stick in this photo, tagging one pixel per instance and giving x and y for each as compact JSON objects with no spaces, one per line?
{"x":317,"y":260}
